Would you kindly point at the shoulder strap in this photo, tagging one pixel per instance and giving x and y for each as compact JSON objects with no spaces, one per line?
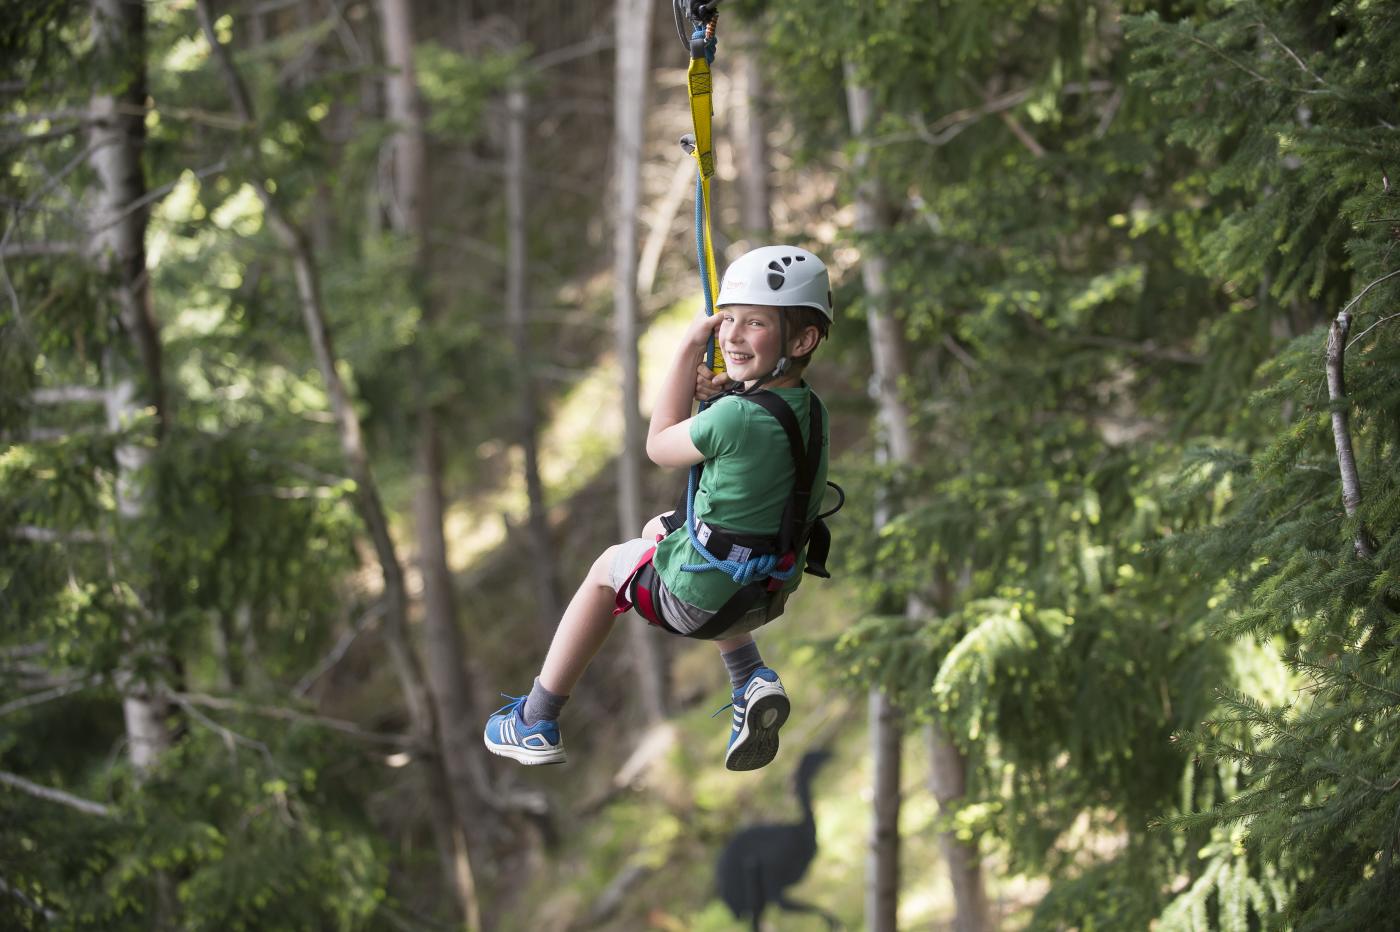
{"x":806,"y":458}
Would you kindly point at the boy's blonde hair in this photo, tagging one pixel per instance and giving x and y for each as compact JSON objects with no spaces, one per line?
{"x":798,"y":320}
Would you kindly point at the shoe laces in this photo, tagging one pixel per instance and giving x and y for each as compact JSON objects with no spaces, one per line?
{"x":722,"y":708}
{"x":510,"y":706}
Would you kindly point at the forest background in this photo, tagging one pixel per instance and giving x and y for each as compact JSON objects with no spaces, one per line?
{"x":319,"y":323}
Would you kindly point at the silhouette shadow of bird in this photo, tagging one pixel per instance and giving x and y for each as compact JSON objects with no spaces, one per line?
{"x":759,"y":863}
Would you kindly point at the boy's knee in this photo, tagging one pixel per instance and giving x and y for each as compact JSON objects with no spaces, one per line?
{"x":601,"y":573}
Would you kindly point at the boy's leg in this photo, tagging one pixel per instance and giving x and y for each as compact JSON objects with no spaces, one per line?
{"x":741,"y":658}
{"x":542,"y":704}
{"x":533,"y":737}
{"x":586,"y":624}
{"x":760,"y":705}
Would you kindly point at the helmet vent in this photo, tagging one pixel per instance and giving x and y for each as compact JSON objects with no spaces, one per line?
{"x":787,"y":260}
{"x":775,"y":280}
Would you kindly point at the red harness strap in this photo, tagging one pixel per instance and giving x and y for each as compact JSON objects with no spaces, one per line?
{"x":635,"y":591}
{"x":786,"y":562}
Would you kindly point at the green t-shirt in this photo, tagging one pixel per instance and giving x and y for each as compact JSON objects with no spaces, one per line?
{"x":744,"y":487}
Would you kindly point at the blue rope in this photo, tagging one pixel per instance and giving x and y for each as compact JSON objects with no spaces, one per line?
{"x":742,"y":572}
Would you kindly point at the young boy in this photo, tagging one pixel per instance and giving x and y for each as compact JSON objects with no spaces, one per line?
{"x":774,"y":308}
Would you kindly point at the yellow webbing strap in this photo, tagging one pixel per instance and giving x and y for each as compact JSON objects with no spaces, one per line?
{"x":701,"y":112}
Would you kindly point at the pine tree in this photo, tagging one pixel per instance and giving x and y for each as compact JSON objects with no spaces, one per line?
{"x":238,"y":819}
{"x":1065,"y":340}
{"x":1288,"y":105}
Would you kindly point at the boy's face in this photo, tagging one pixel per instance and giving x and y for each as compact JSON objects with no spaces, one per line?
{"x":751,"y":340}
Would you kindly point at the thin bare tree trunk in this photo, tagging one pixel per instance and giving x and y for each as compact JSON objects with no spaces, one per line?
{"x":873,"y":215}
{"x":682,"y":182}
{"x":633,"y":44}
{"x":1341,"y":428}
{"x":118,"y":248}
{"x":882,"y":858}
{"x":421,"y":714}
{"x":755,"y":212}
{"x":543,"y":567}
{"x":948,"y":781}
{"x":448,"y":686}
{"x":886,"y":726}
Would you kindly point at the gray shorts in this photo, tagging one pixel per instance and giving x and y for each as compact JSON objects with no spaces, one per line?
{"x":679,"y":614}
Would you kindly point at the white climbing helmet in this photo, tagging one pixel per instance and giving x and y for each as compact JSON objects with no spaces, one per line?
{"x":778,"y":276}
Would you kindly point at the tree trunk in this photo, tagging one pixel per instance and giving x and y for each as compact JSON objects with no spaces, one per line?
{"x":633,"y":44}
{"x":421,"y":714}
{"x":1341,"y":429}
{"x":882,"y":871}
{"x":755,"y":212}
{"x":518,"y":312}
{"x":118,"y":247}
{"x":948,"y":782}
{"x":873,"y":215}
{"x":448,"y":687}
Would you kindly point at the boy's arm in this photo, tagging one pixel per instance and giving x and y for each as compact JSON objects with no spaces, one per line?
{"x":668,"y":437}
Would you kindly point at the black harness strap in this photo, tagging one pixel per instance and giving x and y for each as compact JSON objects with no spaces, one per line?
{"x":792,"y":531}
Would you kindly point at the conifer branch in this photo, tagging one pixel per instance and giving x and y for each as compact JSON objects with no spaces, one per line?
{"x":1341,"y":428}
{"x":80,"y":114}
{"x":292,"y":715}
{"x":45,"y":535}
{"x":54,"y":796}
{"x":1291,"y":54}
{"x":68,"y":394}
{"x":57,"y":692}
{"x":38,"y":250}
{"x":17,"y":651}
{"x":1362,"y":293}
{"x":1320,"y":671}
{"x":156,"y":194}
{"x":337,"y":652}
{"x":27,"y":900}
{"x":1148,"y":349}
{"x":1014,"y":125}
{"x":1240,"y":65}
{"x":231,"y":737}
{"x":1370,"y":328}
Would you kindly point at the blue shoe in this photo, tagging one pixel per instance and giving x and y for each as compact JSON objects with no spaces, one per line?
{"x":509,"y":736}
{"x":760,"y":709}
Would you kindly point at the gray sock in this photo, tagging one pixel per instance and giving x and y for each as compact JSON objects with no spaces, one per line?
{"x":741,"y":662}
{"x":542,"y":704}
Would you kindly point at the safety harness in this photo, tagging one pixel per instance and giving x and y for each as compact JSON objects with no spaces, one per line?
{"x":747,"y":553}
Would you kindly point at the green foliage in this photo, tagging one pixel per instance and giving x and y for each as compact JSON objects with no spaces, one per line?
{"x":457,"y":86}
{"x":245,"y":832}
{"x":242,"y":531}
{"x":1112,"y":260}
{"x":1118,"y":232}
{"x":1286,"y":100}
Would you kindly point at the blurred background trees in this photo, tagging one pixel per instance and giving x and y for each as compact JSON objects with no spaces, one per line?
{"x":1098,"y":559}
